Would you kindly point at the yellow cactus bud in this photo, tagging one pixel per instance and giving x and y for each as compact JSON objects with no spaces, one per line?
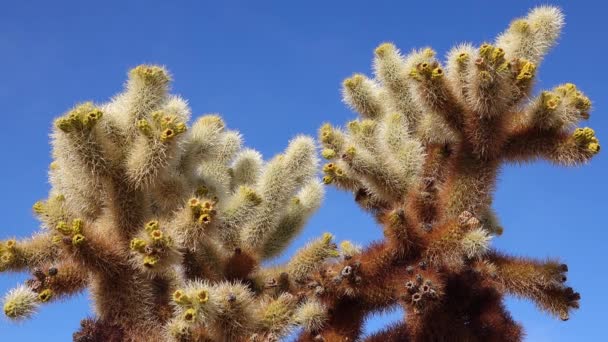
{"x":202,"y":296}
{"x":77,"y":225}
{"x":486,"y":50}
{"x":582,"y":102}
{"x":157,"y":116}
{"x":180,"y":128}
{"x":520,"y":25}
{"x":181,"y":298}
{"x":350,"y":152}
{"x":498,"y":55}
{"x":527,"y":71}
{"x":204,"y":219}
{"x":250,"y":195}
{"x":38,"y":208}
{"x":64,"y":124}
{"x":10,"y":244}
{"x":584,"y":134}
{"x":463,"y":57}
{"x":151,"y":261}
{"x":151,"y":225}
{"x":63,"y":228}
{"x":428,"y":52}
{"x":206,"y":205}
{"x":78,"y":240}
{"x":329,"y":167}
{"x":167,"y":121}
{"x":437,"y":73}
{"x":91,"y":118}
{"x":138,"y":245}
{"x":566,"y":89}
{"x":54,"y":165}
{"x":144,"y":127}
{"x":594,"y":148}
{"x":6,"y":259}
{"x":194,"y":203}
{"x":45,"y":295}
{"x":56,"y":239}
{"x":167,"y":135}
{"x":424,"y":69}
{"x":190,"y":315}
{"x":328,"y":153}
{"x":156,"y":235}
{"x":383,"y":49}
{"x":151,"y":74}
{"x":353,"y":82}
{"x":354,"y":126}
{"x":550,"y":100}
{"x":327,"y":237}
{"x":505,"y":66}
{"x":328,"y":179}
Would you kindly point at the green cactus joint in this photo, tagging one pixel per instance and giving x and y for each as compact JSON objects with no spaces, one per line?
{"x":78,"y":240}
{"x":45,"y":295}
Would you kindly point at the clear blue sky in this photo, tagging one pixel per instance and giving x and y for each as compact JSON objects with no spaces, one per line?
{"x":273,"y":69}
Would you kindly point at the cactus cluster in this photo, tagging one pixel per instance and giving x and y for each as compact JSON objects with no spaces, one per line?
{"x":168,"y":224}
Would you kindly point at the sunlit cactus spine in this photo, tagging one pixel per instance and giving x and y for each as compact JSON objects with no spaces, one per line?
{"x":167,"y":223}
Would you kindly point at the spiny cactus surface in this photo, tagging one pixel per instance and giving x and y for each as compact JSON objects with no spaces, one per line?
{"x":167,"y":224}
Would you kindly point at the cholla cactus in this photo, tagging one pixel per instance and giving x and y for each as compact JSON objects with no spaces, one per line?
{"x":167,"y":225}
{"x":423,"y":158}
